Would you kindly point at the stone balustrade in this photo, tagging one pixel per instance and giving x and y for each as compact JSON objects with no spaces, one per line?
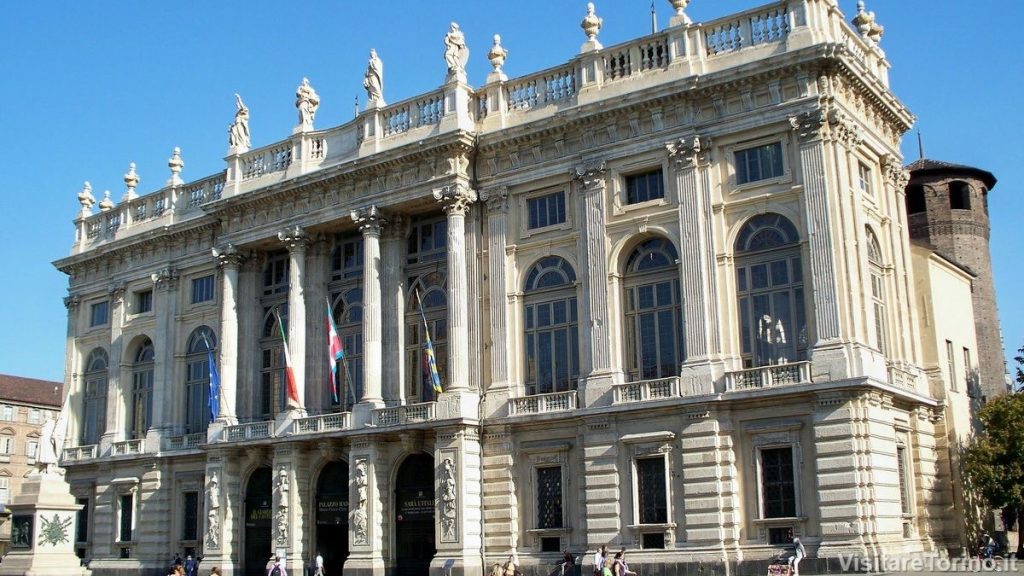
{"x":769,"y":376}
{"x":126,"y":447}
{"x":322,"y":423}
{"x":676,"y":53}
{"x":186,"y":441}
{"x":645,"y":390}
{"x":543,"y":403}
{"x":901,"y":378}
{"x":248,"y":431}
{"x":80,"y":453}
{"x":407,"y":414}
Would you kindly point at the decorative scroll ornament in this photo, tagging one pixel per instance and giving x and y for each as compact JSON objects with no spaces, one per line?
{"x":590,"y":176}
{"x":359,"y":517}
{"x":449,"y":502}
{"x":227,"y":256}
{"x":165,"y":278}
{"x":809,"y":125}
{"x":844,"y":129}
{"x":496,"y":198}
{"x":688,"y":154}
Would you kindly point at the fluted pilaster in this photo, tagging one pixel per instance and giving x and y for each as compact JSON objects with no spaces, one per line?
{"x":393,"y":307}
{"x":228,"y":259}
{"x":456,"y":200}
{"x":297,"y":241}
{"x":591,"y":184}
{"x":370,"y":222}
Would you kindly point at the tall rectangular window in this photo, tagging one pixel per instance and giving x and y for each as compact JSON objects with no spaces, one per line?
{"x":652,"y":494}
{"x":202,"y":289}
{"x":98,"y":314}
{"x":546,"y":210}
{"x":6,"y":444}
{"x":778,"y":489}
{"x":82,"y":529}
{"x":5,"y":490}
{"x":190,"y":517}
{"x":7,"y":413}
{"x":968,"y":375}
{"x":31,"y":449}
{"x":549,"y":497}
{"x":35,"y":415}
{"x":864,"y":178}
{"x":951,"y":366}
{"x":143,"y":301}
{"x":901,"y":468}
{"x":759,"y":163}
{"x":644,"y":186}
{"x":127,"y":509}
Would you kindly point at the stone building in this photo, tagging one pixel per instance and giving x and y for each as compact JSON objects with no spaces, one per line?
{"x":25,"y":404}
{"x":669,"y":287}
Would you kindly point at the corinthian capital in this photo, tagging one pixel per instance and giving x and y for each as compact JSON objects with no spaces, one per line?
{"x":227,"y":256}
{"x":369,"y":220}
{"x":810,"y":125}
{"x":688,"y":154}
{"x":496,"y":198}
{"x":72,"y":301}
{"x":591,"y":175}
{"x":117,"y":293}
{"x":844,"y":129}
{"x":165,"y":279}
{"x":294,"y":238}
{"x":895,"y":174}
{"x":455,"y":199}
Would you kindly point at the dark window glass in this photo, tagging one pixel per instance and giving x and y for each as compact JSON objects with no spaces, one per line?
{"x":654,"y":321}
{"x":95,"y":397}
{"x":275,"y":274}
{"x":190,"y":519}
{"x":99,"y":314}
{"x":197,"y":379}
{"x":650,"y":474}
{"x":759,"y":163}
{"x":546,"y":210}
{"x":82,"y":529}
{"x":127,"y":508}
{"x":915,"y":199}
{"x":202,"y":289}
{"x":778,"y":491}
{"x":144,"y":301}
{"x":901,"y":468}
{"x":428,"y":241}
{"x":549,"y":497}
{"x":644,"y":187}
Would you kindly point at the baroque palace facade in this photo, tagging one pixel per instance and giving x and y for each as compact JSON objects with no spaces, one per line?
{"x":669,"y":287}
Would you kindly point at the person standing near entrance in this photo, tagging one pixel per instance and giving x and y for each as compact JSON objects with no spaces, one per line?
{"x":277,"y":569}
{"x":599,"y":559}
{"x":319,"y":566}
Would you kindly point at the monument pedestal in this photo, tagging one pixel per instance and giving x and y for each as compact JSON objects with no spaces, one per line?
{"x":43,"y":518}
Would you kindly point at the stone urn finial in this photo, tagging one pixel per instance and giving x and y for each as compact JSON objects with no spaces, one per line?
{"x":865,"y":23}
{"x":86,"y":199}
{"x":175,"y":163}
{"x":497,"y":54}
{"x":679,"y":18}
{"x":106,"y":204}
{"x":131,"y":181}
{"x":591,"y":25}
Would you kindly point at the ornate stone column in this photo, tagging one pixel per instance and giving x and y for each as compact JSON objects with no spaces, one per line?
{"x":165,"y":417}
{"x":114,"y":429}
{"x":370,"y":222}
{"x":591,"y":187}
{"x":296,"y":240}
{"x":690,"y":158}
{"x":456,"y":200}
{"x":229,"y":260}
{"x":72,"y":367}
{"x":498,"y":392}
{"x":318,"y":271}
{"x":393,"y":308}
{"x":828,"y":357}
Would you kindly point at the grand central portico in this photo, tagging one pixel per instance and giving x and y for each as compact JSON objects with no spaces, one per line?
{"x":667,"y":287}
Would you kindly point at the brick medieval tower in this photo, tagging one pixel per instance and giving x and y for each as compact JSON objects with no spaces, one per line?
{"x":947,"y":207}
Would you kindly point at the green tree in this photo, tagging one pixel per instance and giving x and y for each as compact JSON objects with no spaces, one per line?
{"x":994,"y":462}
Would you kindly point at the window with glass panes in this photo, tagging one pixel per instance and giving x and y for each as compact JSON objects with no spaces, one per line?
{"x":549,"y":497}
{"x":82,"y":526}
{"x":653,"y":307}
{"x":190,"y":516}
{"x":6,"y":444}
{"x":348,"y":319}
{"x":551,"y":333}
{"x":7,"y":413}
{"x":142,"y":391}
{"x":778,"y":487}
{"x":275,"y":274}
{"x":759,"y":163}
{"x":271,"y":394}
{"x":197,"y":379}
{"x":644,"y":186}
{"x":770,"y":289}
{"x":431,"y":289}
{"x":428,"y":241}
{"x":127,"y":515}
{"x":546,"y":210}
{"x":202,"y":289}
{"x":5,"y":490}
{"x":951,"y":366}
{"x":143,"y":301}
{"x":864,"y":178}
{"x":651,"y":490}
{"x":94,"y":398}
{"x":877,"y":291}
{"x":901,"y":469}
{"x":99,"y":314}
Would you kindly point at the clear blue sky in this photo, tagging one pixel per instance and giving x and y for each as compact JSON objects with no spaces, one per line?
{"x":86,"y":87}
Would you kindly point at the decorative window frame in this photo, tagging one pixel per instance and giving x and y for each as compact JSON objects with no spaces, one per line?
{"x":105,"y":325}
{"x":123,"y":487}
{"x":769,"y":435}
{"x":909,"y":518}
{"x":191,"y":483}
{"x":132,"y":303}
{"x":651,"y":445}
{"x":546,"y":454}
{"x":215,"y":296}
{"x":523,"y":202}
{"x":616,"y":181}
{"x":729,"y":156}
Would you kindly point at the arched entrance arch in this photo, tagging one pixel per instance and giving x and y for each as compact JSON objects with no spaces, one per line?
{"x":414,"y":516}
{"x":332,"y":516}
{"x":258,"y":514}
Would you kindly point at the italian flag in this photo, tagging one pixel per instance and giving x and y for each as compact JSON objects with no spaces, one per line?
{"x":292,"y":391}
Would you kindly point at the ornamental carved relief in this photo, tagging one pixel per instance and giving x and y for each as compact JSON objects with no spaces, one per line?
{"x":359,"y":517}
{"x":294,"y":239}
{"x":369,"y":220}
{"x":591,"y":176}
{"x":689,"y":153}
{"x":896,"y":175}
{"x":455,"y":199}
{"x":228,"y":256}
{"x":810,"y":125}
{"x":449,"y":499}
{"x":496,"y":198}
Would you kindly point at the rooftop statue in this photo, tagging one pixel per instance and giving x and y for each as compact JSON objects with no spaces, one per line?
{"x":307,"y":101}
{"x":238,"y":132}
{"x":373,"y":80}
{"x":456,"y":54}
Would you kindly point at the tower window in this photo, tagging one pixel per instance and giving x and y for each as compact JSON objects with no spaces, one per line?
{"x":959,"y":195}
{"x":915,"y":199}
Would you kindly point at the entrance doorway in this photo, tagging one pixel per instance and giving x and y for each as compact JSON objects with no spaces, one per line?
{"x":258,"y":513}
{"x":332,"y":516}
{"x":414,"y":516}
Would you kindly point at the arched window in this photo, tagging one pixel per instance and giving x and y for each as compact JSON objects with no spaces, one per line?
{"x":431,"y":290}
{"x":142,"y":390}
{"x":959,"y":195}
{"x":94,"y":411}
{"x":875,"y":264}
{"x":769,"y":283}
{"x":551,"y":332}
{"x":348,"y":318}
{"x":271,"y":395}
{"x":197,"y":379}
{"x":654,"y":318}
